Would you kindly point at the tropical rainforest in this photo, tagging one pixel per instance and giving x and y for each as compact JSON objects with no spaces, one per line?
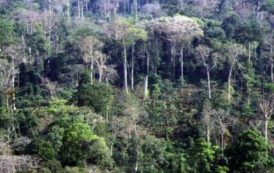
{"x":136,"y":86}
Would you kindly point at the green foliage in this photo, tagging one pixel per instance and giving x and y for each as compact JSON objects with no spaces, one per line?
{"x":50,"y":109}
{"x":42,"y":148}
{"x":98,"y":96}
{"x":39,"y":43}
{"x":249,"y":153}
{"x":269,"y":5}
{"x":7,"y":31}
{"x":202,"y":156}
{"x":76,"y":137}
{"x":99,"y":154}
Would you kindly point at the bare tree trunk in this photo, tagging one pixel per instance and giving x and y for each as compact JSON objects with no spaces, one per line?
{"x":208,"y":132}
{"x":82,"y":11}
{"x":222,"y":137}
{"x":271,"y":65}
{"x":91,"y":68}
{"x":266,"y":129}
{"x":100,"y":68}
{"x":208,"y":82}
{"x":125,"y":67}
{"x":147,"y":73}
{"x":13,"y":86}
{"x":135,"y":4}
{"x":229,"y":81}
{"x":78,"y":9}
{"x":172,"y":61}
{"x":272,"y":71}
{"x":182,"y":65}
{"x":132,"y":67}
{"x":68,"y":11}
{"x":137,"y":149}
{"x":13,"y":99}
{"x":249,"y":69}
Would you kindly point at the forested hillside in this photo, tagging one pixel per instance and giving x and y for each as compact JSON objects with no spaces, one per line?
{"x":136,"y":86}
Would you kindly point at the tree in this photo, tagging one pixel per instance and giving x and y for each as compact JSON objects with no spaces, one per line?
{"x":78,"y":137}
{"x":7,"y":32}
{"x":204,"y":53}
{"x":203,"y":156}
{"x":97,"y":96}
{"x":207,"y":119}
{"x":100,"y":61}
{"x":267,"y":107}
{"x":234,"y":51}
{"x":249,"y":152}
{"x":176,"y":30}
{"x":126,"y":33}
{"x":90,"y":47}
{"x":137,"y":33}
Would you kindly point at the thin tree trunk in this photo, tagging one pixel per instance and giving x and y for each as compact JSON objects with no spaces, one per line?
{"x":135,"y":4}
{"x":100,"y":74}
{"x":91,"y":68}
{"x":147,"y":73}
{"x":229,"y":81}
{"x":82,"y":11}
{"x":125,"y":67}
{"x":271,"y":65}
{"x":266,"y":129}
{"x":78,"y":9}
{"x":132,"y":67}
{"x":13,"y":101}
{"x":208,"y":82}
{"x":172,"y":61}
{"x":182,"y":65}
{"x":13,"y":86}
{"x":272,"y":71}
{"x":68,"y":11}
{"x":208,"y":133}
{"x":137,"y":149}
{"x":249,"y":70}
{"x":222,"y":137}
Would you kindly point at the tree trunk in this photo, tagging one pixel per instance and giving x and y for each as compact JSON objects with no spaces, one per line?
{"x":208,"y":82}
{"x":271,"y":65}
{"x":222,"y":137}
{"x":132,"y":67}
{"x":82,"y":11}
{"x":249,"y":70}
{"x":208,"y":133}
{"x":272,"y":71}
{"x":68,"y":11}
{"x":135,"y":4}
{"x":266,"y":129}
{"x":91,"y":69}
{"x":100,"y":74}
{"x":135,"y":170}
{"x":172,"y":61}
{"x":13,"y":86}
{"x":147,"y":73}
{"x":125,"y":67}
{"x":78,"y":9}
{"x":182,"y":65}
{"x":229,"y":81}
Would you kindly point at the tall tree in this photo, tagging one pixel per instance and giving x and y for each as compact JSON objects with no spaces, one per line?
{"x":89,"y":45}
{"x":234,"y":52}
{"x":124,"y":31}
{"x":174,"y":30}
{"x":267,"y":108}
{"x":209,"y":63}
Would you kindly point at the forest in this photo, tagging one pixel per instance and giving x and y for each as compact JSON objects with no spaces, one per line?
{"x":136,"y":86}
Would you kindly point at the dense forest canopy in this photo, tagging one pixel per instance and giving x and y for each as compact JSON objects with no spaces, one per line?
{"x":136,"y":86}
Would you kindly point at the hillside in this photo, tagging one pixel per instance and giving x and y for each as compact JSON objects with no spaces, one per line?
{"x":136,"y":86}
